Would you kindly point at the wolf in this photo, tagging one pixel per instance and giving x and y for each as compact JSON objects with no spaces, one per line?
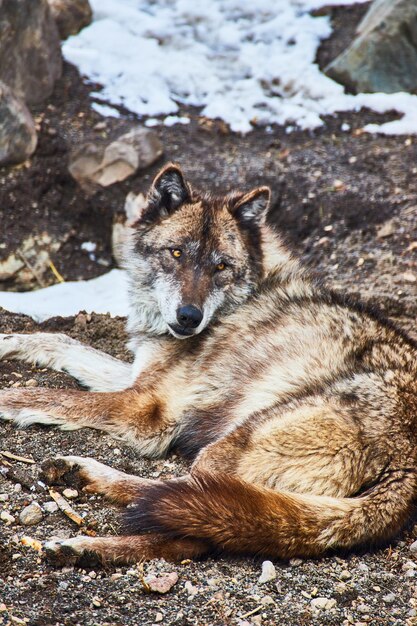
{"x":296,"y":406}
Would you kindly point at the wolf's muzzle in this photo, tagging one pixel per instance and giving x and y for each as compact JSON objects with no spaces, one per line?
{"x":189,"y":317}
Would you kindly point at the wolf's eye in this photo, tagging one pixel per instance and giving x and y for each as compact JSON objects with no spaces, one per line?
{"x":176,"y":253}
{"x":220,"y":267}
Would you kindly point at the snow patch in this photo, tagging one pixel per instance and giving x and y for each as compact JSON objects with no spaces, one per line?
{"x":244,"y":61}
{"x":105,"y":294}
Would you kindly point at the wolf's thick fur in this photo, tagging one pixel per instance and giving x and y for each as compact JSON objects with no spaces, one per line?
{"x":298,"y":408}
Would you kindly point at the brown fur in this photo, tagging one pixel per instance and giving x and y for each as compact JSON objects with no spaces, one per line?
{"x":298,"y":408}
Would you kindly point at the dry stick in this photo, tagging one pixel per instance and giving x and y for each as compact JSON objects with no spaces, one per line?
{"x":66,"y":507}
{"x":31,"y":268}
{"x":258,"y":608}
{"x":15,"y":457}
{"x":55,"y":272}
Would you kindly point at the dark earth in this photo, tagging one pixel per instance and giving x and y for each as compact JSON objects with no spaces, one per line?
{"x":347,"y":203}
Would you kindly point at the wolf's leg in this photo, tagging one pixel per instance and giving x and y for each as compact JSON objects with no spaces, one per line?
{"x":93,"y":477}
{"x":94,"y":369}
{"x":130,"y":415}
{"x":118,"y":550}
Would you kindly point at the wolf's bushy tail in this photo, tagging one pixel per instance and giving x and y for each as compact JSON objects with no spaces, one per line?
{"x":239,"y":517}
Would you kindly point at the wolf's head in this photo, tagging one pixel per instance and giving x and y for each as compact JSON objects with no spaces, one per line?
{"x":193,"y":258}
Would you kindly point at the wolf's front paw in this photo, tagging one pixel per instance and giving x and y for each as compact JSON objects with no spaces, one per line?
{"x":9,"y":345}
{"x":70,"y":551}
{"x":63,"y":470}
{"x":77,"y":471}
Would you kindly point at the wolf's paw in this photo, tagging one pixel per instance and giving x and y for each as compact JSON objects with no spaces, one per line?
{"x":64,"y":470}
{"x":9,"y":345}
{"x":62,"y":552}
{"x":77,"y":471}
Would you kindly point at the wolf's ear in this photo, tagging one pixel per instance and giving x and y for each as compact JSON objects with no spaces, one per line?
{"x":252,"y":207}
{"x":169,"y":190}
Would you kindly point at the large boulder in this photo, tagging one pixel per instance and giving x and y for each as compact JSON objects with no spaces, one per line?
{"x":30,"y":51}
{"x":102,"y":163}
{"x":383,"y":56}
{"x":17,"y":129}
{"x":70,"y":15}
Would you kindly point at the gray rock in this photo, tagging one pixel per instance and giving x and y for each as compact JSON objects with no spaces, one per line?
{"x":95,"y":165}
{"x":17,"y":129}
{"x":70,"y":15}
{"x":30,"y":51}
{"x":31,"y":514}
{"x":383,"y":56}
{"x":413,"y":547}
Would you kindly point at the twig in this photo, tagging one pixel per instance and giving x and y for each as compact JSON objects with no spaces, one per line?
{"x":65,"y":507}
{"x":55,"y":272}
{"x":15,"y":457}
{"x":258,"y":608}
{"x":141,"y":577}
{"x":31,"y":268}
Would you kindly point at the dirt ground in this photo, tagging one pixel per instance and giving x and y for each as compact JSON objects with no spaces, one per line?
{"x":347,"y":202}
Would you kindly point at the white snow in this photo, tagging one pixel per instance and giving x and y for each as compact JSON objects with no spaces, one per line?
{"x":105,"y":294}
{"x":105,"y":110}
{"x":88,"y":246}
{"x":245,"y":61}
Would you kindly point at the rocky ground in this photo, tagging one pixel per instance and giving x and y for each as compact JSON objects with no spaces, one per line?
{"x":347,"y":202}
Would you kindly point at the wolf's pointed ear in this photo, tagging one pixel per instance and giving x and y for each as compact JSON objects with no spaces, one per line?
{"x":252,"y":207}
{"x":169,"y":190}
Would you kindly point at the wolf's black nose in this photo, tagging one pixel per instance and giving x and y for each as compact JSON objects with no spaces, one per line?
{"x":189,"y":316}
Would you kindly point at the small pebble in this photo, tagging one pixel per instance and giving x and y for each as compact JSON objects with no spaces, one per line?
{"x":410,"y":277}
{"x":161,"y":584}
{"x":5,"y":516}
{"x":413,"y":547}
{"x":266,"y":600}
{"x":50,"y":506}
{"x":32,"y":382}
{"x":268,"y":572}
{"x":389,"y":598}
{"x":345,"y":575}
{"x":190,"y":589}
{"x":363,"y":567}
{"x":31,"y":514}
{"x":4,"y":497}
{"x":323,"y":604}
{"x":70,"y":493}
{"x":158,"y":618}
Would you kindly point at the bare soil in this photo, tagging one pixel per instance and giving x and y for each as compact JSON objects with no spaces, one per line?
{"x":347,"y":202}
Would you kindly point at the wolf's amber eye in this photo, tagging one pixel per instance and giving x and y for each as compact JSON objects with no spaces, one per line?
{"x":176,"y":253}
{"x":220,"y":267}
